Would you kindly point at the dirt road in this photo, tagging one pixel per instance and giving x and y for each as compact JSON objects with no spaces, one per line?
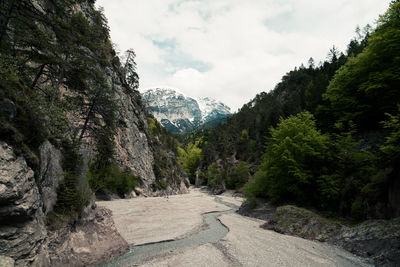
{"x":197,"y":229}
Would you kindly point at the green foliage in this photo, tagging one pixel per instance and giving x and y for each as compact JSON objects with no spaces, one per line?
{"x":164,"y":139}
{"x":244,"y":136}
{"x":182,"y":155}
{"x":392,"y":145}
{"x":357,"y":210}
{"x":214,"y":175}
{"x":130,"y":69}
{"x":152,"y":125}
{"x":309,"y":168}
{"x":256,"y":187}
{"x":295,"y":159}
{"x":238,"y":176}
{"x":54,"y":64}
{"x":244,"y":133}
{"x":366,"y":87}
{"x":190,"y":159}
{"x":70,"y":200}
{"x":111,"y":179}
{"x":160,"y":184}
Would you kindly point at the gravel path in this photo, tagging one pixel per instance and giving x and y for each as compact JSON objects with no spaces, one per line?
{"x":186,"y":230}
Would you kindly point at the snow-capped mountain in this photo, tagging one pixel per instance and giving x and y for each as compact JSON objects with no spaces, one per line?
{"x":180,"y":113}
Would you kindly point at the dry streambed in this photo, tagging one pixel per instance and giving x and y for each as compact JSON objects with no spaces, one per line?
{"x":197,"y":229}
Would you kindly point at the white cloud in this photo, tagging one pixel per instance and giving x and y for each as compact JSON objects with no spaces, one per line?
{"x":231,"y":49}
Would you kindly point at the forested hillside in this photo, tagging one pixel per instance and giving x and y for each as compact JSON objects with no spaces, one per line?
{"x":327,"y":136}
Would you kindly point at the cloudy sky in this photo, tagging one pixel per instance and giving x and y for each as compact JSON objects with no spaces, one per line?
{"x":231,"y":49}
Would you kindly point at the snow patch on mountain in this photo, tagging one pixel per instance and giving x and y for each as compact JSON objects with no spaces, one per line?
{"x":180,"y":113}
{"x":209,"y":107}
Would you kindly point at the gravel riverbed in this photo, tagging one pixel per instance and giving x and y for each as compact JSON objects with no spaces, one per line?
{"x":198,"y":229}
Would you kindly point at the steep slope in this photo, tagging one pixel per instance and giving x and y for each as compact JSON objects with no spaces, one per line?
{"x":179,"y":113}
{"x":66,"y":105}
{"x":345,"y":111}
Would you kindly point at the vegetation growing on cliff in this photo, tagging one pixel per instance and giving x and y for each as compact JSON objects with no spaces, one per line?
{"x":55,"y":61}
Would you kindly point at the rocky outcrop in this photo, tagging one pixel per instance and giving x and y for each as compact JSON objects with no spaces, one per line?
{"x":132,"y":144}
{"x":375,"y":239}
{"x":257,"y":209}
{"x":301,"y":222}
{"x":22,"y":230}
{"x":24,"y":237}
{"x":93,"y":240}
{"x":31,"y":168}
{"x":136,"y":147}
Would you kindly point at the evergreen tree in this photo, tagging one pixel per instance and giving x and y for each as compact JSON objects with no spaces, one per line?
{"x":130,"y":69}
{"x":366,"y":87}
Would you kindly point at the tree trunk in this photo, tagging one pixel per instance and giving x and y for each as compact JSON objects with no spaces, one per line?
{"x":38,"y":76}
{"x":87,"y":120}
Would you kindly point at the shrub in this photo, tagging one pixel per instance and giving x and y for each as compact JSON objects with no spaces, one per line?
{"x":112,"y":179}
{"x":214,"y":175}
{"x":238,"y":177}
{"x":256,"y":187}
{"x":294,"y":159}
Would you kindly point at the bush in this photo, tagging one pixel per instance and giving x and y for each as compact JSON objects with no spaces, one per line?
{"x":256,"y":187}
{"x":294,"y":159}
{"x":190,"y":159}
{"x":70,"y":201}
{"x":392,"y":145}
{"x":238,"y":177}
{"x":214,"y":175}
{"x":112,"y":179}
{"x":357,"y":210}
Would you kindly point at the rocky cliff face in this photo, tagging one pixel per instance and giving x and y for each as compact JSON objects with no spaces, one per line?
{"x":136,"y":146}
{"x":32,"y":161}
{"x":26,"y":198}
{"x":180,"y":113}
{"x":22,"y":228}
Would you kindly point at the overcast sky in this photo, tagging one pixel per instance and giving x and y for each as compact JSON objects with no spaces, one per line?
{"x":231,"y":49}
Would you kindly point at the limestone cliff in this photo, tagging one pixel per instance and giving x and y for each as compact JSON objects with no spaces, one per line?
{"x":46,"y":104}
{"x":136,"y":145}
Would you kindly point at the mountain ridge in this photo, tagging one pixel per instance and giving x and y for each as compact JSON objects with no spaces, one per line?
{"x":179,"y":113}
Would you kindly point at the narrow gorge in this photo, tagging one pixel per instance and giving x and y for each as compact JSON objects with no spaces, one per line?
{"x":96,"y":170}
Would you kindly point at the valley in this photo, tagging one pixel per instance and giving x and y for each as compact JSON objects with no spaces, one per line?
{"x":97,"y":170}
{"x":201,"y":229}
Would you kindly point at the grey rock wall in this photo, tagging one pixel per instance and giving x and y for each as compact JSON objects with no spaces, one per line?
{"x":132,"y":145}
{"x":135,"y":147}
{"x":50,"y":175}
{"x":22,"y":230}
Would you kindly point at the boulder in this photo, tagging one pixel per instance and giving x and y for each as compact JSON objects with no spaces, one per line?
{"x":257,"y":209}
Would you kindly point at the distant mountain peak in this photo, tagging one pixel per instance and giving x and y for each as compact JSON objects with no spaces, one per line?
{"x":180,"y":113}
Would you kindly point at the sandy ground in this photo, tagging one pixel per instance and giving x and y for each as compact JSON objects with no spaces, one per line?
{"x":153,"y":219}
{"x":144,"y":220}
